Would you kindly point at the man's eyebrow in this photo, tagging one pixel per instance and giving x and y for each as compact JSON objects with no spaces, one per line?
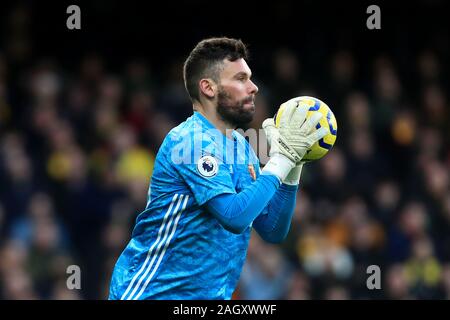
{"x":243,"y":73}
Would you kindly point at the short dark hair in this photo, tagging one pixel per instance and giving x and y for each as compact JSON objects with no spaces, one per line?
{"x":206,"y":59}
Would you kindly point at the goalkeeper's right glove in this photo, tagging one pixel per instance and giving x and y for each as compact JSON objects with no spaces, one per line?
{"x":298,"y":130}
{"x":293,"y":177}
{"x":283,"y":158}
{"x":291,"y":137}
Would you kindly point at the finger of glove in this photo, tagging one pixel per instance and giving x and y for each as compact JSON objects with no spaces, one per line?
{"x":268,"y":122}
{"x":287,"y":109}
{"x":271,"y":133}
{"x":311,"y":123}
{"x":268,"y":125}
{"x":299,"y":116}
{"x":317,"y":135}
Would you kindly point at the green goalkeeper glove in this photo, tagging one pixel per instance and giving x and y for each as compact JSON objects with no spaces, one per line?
{"x":293,"y":177}
{"x":290,"y":136}
{"x":283,"y":158}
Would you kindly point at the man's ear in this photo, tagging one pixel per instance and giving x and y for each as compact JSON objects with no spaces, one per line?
{"x":208,"y":87}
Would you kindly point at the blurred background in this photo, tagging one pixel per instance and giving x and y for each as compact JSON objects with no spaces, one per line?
{"x":83,"y":112}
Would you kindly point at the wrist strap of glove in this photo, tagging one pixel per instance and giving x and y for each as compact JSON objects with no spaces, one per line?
{"x":278,"y":165}
{"x":293,"y":178}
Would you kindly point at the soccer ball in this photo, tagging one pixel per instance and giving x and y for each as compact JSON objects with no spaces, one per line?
{"x":321,"y":147}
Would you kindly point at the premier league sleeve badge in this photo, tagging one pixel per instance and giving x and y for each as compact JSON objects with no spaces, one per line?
{"x":207,"y":166}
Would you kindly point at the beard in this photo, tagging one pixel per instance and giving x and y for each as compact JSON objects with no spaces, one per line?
{"x":232,"y":111}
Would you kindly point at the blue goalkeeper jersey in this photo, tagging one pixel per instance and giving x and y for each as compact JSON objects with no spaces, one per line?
{"x":178,"y":250}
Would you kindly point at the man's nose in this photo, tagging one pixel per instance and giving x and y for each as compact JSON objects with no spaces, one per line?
{"x":253,"y":87}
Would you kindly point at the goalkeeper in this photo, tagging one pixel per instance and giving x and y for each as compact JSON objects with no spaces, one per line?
{"x":207,"y":191}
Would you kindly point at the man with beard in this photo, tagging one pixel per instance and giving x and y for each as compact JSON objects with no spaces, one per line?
{"x":207,"y":191}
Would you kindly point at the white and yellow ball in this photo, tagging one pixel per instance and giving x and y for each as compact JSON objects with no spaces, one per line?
{"x":321,"y":147}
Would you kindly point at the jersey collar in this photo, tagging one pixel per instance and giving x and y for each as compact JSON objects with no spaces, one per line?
{"x":203,"y":119}
{"x":209,"y":125}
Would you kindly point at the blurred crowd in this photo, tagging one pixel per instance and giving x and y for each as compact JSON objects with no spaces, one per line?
{"x":77,"y":147}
